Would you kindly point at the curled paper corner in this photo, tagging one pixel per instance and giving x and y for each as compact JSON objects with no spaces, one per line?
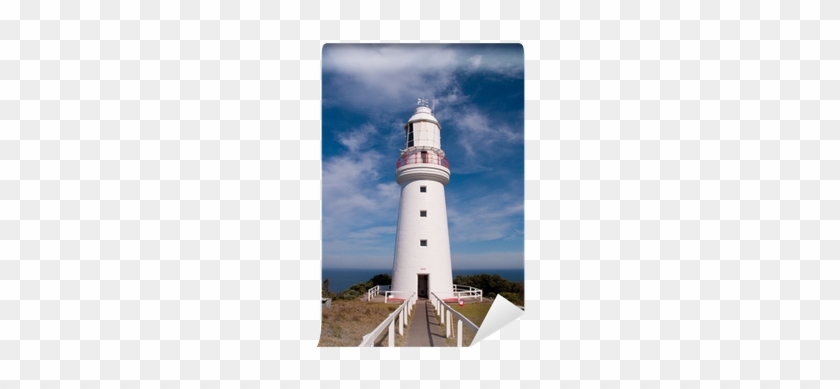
{"x":501,"y":313}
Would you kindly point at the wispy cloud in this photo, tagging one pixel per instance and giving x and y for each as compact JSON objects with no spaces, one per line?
{"x":357,"y":138}
{"x":356,"y":197}
{"x":477,"y":131}
{"x":475,"y":61}
{"x":486,"y":218}
{"x":382,"y":81}
{"x":382,"y":78}
{"x":386,"y":78}
{"x":360,"y":204}
{"x":372,"y":233}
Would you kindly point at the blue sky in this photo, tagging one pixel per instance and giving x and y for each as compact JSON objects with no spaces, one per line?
{"x":368,"y":93}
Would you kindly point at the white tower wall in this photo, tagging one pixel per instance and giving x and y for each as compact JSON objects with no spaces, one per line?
{"x":412,"y":259}
{"x":421,"y":253}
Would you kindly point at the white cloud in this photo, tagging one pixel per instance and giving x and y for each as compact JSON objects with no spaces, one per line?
{"x":353,"y":196}
{"x":479,"y":136}
{"x":477,"y":131}
{"x":360,"y":205}
{"x":475,"y":61}
{"x":375,"y":60}
{"x":384,"y":81}
{"x":387,"y":78}
{"x":357,"y":138}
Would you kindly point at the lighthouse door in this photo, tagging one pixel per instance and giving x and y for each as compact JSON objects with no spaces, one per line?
{"x":423,"y":285}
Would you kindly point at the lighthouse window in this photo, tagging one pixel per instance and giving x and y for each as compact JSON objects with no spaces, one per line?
{"x":423,"y":242}
{"x":422,"y":213}
{"x":422,"y":189}
{"x":411,"y":135}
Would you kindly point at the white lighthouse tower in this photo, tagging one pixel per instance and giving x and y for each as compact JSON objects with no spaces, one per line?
{"x":422,"y":261}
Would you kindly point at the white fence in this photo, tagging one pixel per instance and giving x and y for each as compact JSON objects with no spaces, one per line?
{"x":379,"y":290}
{"x":447,"y":314}
{"x":395,"y":294}
{"x":462,"y":291}
{"x":400,"y":317}
{"x":373,"y":292}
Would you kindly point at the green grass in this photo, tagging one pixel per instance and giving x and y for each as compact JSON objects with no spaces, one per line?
{"x":474,"y":312}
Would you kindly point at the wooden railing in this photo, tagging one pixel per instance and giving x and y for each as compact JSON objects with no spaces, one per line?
{"x":447,"y":314}
{"x":399,"y":316}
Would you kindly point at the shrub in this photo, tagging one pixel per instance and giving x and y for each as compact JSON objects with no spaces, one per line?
{"x":380,"y":279}
{"x":492,"y":285}
{"x":362,"y":287}
{"x":512,"y":297}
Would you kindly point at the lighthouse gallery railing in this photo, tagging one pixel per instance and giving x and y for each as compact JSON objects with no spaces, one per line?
{"x":430,"y":158}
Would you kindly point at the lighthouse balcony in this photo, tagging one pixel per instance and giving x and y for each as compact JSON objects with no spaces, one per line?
{"x":424,"y":158}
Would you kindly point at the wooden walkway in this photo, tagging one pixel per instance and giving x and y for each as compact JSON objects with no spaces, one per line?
{"x":424,"y":329}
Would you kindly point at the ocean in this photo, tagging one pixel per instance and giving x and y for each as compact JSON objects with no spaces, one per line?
{"x":341,"y":279}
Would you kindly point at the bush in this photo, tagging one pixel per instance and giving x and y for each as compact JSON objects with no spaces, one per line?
{"x":381,"y":279}
{"x":512,"y":297}
{"x":493,"y":285}
{"x":362,"y":287}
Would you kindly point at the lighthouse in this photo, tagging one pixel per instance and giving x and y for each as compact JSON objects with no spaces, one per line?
{"x":422,"y":261}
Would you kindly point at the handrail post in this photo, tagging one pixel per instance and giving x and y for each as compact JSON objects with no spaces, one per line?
{"x":448,"y":323}
{"x":390,"y":322}
{"x":391,"y":334}
{"x":448,"y":320}
{"x":460,"y":332}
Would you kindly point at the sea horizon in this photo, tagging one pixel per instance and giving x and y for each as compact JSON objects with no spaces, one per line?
{"x":343,"y":278}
